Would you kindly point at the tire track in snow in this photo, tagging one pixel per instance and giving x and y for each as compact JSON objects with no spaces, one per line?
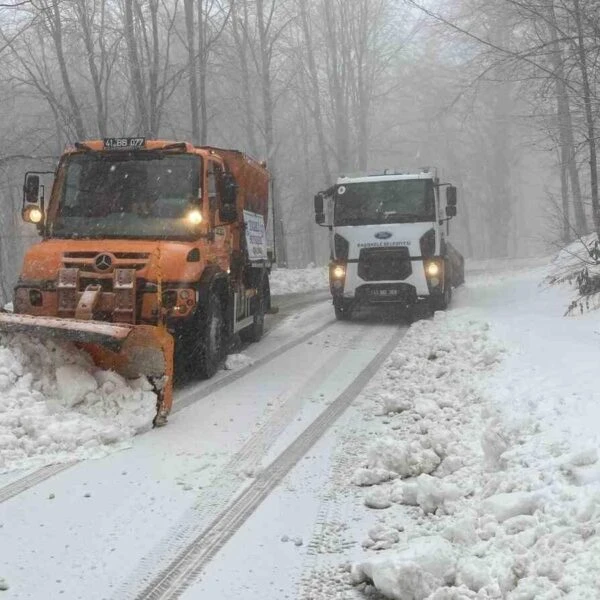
{"x":323,"y":574}
{"x":234,"y":475}
{"x":24,"y":483}
{"x":180,"y":573}
{"x":187,"y":399}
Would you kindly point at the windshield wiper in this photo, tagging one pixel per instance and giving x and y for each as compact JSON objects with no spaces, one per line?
{"x":404,"y":216}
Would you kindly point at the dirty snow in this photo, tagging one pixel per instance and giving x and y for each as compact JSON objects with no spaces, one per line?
{"x":487,"y":448}
{"x":293,"y":281}
{"x":234,"y":362}
{"x":56,"y":406}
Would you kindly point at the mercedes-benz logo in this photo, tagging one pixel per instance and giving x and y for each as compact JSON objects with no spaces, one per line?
{"x":103,"y":262}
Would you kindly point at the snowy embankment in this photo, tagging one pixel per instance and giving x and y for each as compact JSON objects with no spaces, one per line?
{"x":294,"y":281}
{"x":485,"y":475}
{"x":55,"y":406}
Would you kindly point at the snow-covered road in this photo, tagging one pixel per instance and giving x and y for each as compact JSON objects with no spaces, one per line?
{"x":112,"y":527}
{"x":457,"y":459}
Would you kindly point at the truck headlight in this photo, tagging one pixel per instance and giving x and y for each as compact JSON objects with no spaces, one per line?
{"x":194,"y":217}
{"x":33,"y":215}
{"x":432,"y":269}
{"x":338,"y":272}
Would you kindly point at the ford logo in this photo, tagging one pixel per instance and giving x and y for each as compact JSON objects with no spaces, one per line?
{"x":383,"y":235}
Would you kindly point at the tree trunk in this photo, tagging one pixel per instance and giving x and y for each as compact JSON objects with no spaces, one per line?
{"x":154,"y":71}
{"x":203,"y":63}
{"x":564,"y":195}
{"x":88,"y":40}
{"x":315,"y":92}
{"x":268,"y":108}
{"x":56,"y":28}
{"x":192,"y":68}
{"x":241,"y":42}
{"x":589,"y":117}
{"x":338,"y":91}
{"x":565,"y":126}
{"x":306,"y":185}
{"x":139,"y":93}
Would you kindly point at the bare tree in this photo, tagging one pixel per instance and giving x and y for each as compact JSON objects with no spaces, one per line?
{"x":53,"y":20}
{"x":565,"y":128}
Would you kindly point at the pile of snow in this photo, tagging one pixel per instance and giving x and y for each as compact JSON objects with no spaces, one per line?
{"x":578,"y":267}
{"x":235,"y":362}
{"x":572,"y":258}
{"x":487,"y":454}
{"x":56,"y":406}
{"x":292,"y":281}
{"x":428,"y":397}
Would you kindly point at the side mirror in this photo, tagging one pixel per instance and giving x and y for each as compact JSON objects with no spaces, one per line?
{"x":451,"y":196}
{"x":319,"y":212}
{"x":31,"y":190}
{"x":228,"y":209}
{"x":33,"y":202}
{"x":450,"y":211}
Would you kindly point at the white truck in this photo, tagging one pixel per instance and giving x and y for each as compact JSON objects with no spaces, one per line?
{"x":388,"y":238}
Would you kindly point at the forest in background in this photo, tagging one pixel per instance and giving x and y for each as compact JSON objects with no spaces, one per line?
{"x":500,"y":95}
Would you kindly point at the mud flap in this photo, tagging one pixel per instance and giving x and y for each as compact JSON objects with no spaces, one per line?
{"x":130,"y":350}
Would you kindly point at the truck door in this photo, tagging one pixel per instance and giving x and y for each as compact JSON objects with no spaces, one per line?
{"x":222,"y":236}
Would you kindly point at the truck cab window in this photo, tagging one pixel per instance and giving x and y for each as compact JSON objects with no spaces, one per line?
{"x":137,"y":195}
{"x":213,"y":179}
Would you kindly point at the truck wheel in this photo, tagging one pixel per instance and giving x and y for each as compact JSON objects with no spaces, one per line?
{"x":343,"y":311}
{"x":443,"y":301}
{"x":210,"y":340}
{"x":255,"y":331}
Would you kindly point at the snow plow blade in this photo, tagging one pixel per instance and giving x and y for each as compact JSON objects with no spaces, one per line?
{"x":130,"y":350}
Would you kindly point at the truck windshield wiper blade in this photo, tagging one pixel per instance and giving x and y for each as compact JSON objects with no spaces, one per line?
{"x":404,"y":216}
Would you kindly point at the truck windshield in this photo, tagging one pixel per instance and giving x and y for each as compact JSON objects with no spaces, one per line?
{"x":130,"y":195}
{"x":378,"y":202}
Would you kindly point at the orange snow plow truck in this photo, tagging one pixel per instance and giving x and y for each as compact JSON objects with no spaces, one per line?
{"x":154,"y":255}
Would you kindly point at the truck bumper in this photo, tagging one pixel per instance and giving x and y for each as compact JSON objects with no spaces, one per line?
{"x":355,"y":290}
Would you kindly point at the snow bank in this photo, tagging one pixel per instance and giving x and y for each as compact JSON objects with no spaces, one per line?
{"x":494,"y":450}
{"x":574,"y":256}
{"x":574,"y":267}
{"x":234,"y":362}
{"x":292,"y":281}
{"x":413,"y":571}
{"x":55,"y":406}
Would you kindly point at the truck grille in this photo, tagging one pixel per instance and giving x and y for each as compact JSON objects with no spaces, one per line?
{"x":384,"y":264}
{"x":122,"y":260}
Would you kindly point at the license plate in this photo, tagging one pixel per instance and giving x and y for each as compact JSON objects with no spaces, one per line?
{"x":124,"y":143}
{"x":385,"y":293}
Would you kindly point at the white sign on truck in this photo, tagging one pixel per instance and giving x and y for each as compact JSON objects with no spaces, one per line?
{"x":256,"y":236}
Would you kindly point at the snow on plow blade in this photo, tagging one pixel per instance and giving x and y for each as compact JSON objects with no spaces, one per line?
{"x":130,"y":350}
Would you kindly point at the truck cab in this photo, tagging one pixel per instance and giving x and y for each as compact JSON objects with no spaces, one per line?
{"x":388,"y":241}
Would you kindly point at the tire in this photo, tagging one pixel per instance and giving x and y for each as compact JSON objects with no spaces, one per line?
{"x":209,"y":346}
{"x":255,"y":332}
{"x":343,"y":312}
{"x":443,"y":301}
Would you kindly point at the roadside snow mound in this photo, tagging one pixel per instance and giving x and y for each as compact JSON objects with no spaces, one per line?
{"x":514,"y":490}
{"x":295,"y":281}
{"x":56,"y":406}
{"x":578,"y":266}
{"x":570,"y":259}
{"x":424,"y":461}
